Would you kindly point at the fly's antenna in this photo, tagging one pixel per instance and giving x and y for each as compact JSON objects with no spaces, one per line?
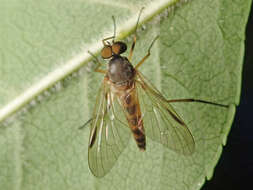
{"x":114,"y":28}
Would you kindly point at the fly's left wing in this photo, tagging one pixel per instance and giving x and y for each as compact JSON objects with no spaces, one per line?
{"x":109,"y":132}
{"x":161,"y":122}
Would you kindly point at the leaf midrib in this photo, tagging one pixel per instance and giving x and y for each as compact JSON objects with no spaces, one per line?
{"x":80,"y":59}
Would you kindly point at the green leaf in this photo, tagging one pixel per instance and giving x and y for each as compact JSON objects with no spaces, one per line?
{"x":45,"y":97}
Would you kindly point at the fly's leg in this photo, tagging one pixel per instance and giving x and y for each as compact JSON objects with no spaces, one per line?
{"x":132,"y":48}
{"x":99,"y":64}
{"x":85,"y":124}
{"x":197,"y":100}
{"x":147,"y":55}
{"x":134,"y":40}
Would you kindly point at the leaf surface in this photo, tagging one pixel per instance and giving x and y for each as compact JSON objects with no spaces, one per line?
{"x":44,"y":98}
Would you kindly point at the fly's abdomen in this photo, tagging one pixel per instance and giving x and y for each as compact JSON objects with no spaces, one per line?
{"x":133,"y":114}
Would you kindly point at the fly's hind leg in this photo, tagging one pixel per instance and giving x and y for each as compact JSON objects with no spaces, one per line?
{"x":99,"y":64}
{"x":197,"y":100}
{"x":147,"y":55}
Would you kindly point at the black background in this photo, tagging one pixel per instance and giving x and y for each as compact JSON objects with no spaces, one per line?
{"x":235,"y":167}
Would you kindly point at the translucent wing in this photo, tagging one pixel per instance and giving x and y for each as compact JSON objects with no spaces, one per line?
{"x":108,"y":132}
{"x":161,"y":122}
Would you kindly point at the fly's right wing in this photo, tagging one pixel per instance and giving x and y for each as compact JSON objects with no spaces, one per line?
{"x":109,"y":132}
{"x":161,"y":122}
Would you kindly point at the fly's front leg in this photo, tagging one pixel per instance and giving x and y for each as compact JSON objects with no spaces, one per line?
{"x":99,"y":64}
{"x":100,"y":70}
{"x":134,"y":40}
{"x":147,"y":55}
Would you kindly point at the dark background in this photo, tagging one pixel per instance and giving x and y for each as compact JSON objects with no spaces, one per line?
{"x":235,"y":167}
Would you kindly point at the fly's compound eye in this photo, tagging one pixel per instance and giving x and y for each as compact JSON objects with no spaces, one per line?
{"x":119,"y":48}
{"x":106,"y":52}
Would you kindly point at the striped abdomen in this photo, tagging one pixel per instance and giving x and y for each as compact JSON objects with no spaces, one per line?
{"x":133,"y":114}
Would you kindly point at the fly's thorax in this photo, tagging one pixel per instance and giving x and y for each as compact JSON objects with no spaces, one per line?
{"x":120,"y":70}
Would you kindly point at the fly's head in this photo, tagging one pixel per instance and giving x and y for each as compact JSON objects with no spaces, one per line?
{"x":120,"y":70}
{"x":114,"y":49}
